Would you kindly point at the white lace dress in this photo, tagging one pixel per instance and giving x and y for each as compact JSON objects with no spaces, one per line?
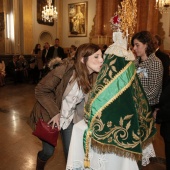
{"x":100,"y":161}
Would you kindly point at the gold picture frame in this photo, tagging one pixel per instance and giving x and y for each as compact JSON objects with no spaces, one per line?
{"x":77,"y":17}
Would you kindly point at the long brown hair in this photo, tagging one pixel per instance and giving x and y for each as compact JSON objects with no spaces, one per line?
{"x":82,"y":75}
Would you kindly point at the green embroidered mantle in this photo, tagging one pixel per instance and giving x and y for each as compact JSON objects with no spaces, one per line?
{"x":118,"y":113}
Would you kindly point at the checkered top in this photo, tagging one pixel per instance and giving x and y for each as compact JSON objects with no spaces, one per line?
{"x":152,"y":83}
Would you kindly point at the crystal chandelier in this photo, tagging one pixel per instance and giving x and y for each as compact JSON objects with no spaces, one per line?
{"x":163,"y":5}
{"x":49,"y":12}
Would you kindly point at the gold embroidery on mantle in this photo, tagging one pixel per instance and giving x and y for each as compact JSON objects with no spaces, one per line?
{"x":123,"y":127}
{"x":100,"y":88}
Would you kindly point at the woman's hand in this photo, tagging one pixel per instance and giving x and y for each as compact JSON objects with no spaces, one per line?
{"x":55,"y":121}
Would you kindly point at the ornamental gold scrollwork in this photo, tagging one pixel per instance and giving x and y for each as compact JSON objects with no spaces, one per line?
{"x":118,"y":133}
{"x":143,"y":111}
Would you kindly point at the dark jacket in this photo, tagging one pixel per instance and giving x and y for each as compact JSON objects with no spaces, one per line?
{"x":13,"y":67}
{"x":60,"y":52}
{"x":44,"y":56}
{"x":165,"y":62}
{"x":163,"y":115}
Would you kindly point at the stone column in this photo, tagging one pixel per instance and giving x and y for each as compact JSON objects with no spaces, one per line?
{"x":98,"y":18}
{"x":59,"y":20}
{"x":142,"y":13}
{"x":152,"y":24}
{"x":150,"y":15}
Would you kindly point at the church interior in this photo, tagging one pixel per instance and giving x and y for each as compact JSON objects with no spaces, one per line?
{"x":21,"y":28}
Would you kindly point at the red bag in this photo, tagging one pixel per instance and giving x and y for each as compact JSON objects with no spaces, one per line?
{"x":45,"y":132}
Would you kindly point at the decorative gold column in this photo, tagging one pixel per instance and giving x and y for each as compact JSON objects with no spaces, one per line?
{"x":101,"y":32}
{"x":152,"y":17}
{"x":101,"y":28}
{"x":147,"y":16}
{"x":95,"y":35}
{"x":98,"y":18}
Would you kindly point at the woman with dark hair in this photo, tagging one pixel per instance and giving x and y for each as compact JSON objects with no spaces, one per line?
{"x":149,"y":67}
{"x":37,"y":49}
{"x":60,"y":96}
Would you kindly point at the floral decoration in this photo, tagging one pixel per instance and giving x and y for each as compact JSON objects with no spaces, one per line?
{"x":115,"y":22}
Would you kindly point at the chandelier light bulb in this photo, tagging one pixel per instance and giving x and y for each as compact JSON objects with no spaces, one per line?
{"x":49,"y":12}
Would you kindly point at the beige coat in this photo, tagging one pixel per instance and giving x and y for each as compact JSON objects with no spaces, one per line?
{"x":50,"y":92}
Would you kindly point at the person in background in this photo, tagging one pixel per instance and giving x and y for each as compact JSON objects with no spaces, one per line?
{"x":55,"y":51}
{"x":23,"y":64}
{"x":149,"y":67}
{"x":162,"y":116}
{"x":40,"y":65}
{"x":34,"y":71}
{"x":71,"y":52}
{"x":36,"y":49}
{"x":60,"y":96}
{"x":2,"y":73}
{"x":44,"y":53}
{"x":14,"y":70}
{"x":163,"y":57}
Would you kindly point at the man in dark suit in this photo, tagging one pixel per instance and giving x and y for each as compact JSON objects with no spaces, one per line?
{"x":163,"y":57}
{"x":162,"y":116}
{"x":55,"y":51}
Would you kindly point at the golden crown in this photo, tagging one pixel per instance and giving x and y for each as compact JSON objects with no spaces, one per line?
{"x":125,"y":18}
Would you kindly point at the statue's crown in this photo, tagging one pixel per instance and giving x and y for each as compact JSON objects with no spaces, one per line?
{"x":115,"y":22}
{"x":124,"y":19}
